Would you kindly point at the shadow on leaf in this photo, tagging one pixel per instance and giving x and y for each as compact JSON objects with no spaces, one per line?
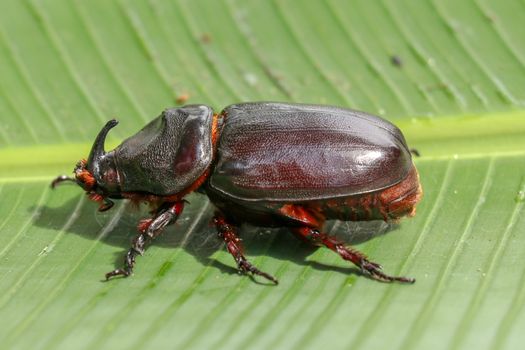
{"x":194,"y":232}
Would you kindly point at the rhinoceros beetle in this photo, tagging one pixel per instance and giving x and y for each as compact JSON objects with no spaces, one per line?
{"x":264,"y":163}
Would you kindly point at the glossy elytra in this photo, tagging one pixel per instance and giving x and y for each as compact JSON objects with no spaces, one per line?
{"x":265,"y":163}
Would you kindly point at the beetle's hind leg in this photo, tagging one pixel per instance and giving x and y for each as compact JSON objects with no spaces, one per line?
{"x":227,"y":233}
{"x":367,"y":267}
{"x":148,"y":230}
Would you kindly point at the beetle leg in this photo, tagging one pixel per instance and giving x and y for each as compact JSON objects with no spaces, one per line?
{"x":226,"y":232}
{"x":415,"y":152}
{"x":60,"y":179}
{"x":106,"y":205}
{"x":367,"y":267}
{"x":149,"y":229}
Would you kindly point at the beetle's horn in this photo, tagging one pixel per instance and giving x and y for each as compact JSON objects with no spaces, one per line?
{"x":97,"y":150}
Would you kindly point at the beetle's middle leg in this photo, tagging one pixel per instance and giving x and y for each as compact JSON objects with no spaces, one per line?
{"x":233,"y":244}
{"x":148,"y":230}
{"x":347,"y":253}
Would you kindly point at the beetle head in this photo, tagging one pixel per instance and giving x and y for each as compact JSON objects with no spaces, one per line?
{"x":101,"y":164}
{"x":83,"y":177}
{"x":98,"y":175}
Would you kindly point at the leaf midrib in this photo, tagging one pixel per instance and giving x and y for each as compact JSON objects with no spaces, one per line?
{"x":460,"y":136}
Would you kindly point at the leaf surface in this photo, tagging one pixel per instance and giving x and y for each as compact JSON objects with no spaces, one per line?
{"x":449,"y":74}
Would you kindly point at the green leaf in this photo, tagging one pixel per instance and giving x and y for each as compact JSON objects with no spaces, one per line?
{"x":457,"y":91}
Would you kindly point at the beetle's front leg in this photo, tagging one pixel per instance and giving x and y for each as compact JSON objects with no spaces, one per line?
{"x":233,"y":244}
{"x":367,"y":267}
{"x":148,"y":230}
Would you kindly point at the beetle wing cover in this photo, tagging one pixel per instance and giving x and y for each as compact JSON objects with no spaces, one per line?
{"x":169,"y":153}
{"x":294,"y":152}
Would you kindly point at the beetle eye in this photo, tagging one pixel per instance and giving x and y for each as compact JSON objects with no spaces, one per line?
{"x":110,"y":177}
